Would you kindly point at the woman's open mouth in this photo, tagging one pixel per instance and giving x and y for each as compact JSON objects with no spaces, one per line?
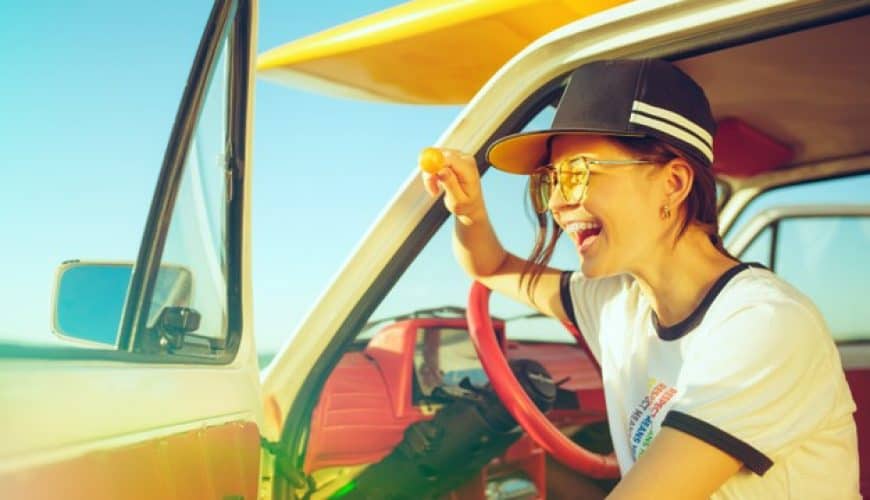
{"x":584,"y":234}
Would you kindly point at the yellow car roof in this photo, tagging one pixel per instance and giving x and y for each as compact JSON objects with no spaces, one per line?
{"x":420,"y":52}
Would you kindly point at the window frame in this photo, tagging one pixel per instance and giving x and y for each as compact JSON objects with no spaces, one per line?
{"x":744,"y":191}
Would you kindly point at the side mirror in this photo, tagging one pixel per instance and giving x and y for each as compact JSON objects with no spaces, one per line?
{"x":89,"y":299}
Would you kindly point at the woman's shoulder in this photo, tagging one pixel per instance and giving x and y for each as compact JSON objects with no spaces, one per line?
{"x":759,"y":286}
{"x":758,"y":298}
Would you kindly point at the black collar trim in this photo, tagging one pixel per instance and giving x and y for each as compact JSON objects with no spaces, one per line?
{"x":685,"y":326}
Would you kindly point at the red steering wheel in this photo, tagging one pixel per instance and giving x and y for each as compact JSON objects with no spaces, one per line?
{"x":518,"y":403}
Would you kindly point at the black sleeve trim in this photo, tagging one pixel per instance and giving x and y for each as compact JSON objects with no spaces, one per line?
{"x":565,"y":293}
{"x":753,"y":459}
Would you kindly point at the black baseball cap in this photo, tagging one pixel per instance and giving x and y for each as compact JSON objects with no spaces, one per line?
{"x":626,"y":97}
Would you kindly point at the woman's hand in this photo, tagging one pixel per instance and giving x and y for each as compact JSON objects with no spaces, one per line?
{"x":457,"y":176}
{"x":475,"y":244}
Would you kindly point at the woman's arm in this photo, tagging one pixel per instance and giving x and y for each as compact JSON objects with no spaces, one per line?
{"x":475,"y":244}
{"x":677,"y":465}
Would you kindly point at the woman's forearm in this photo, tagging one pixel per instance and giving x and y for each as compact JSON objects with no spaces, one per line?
{"x":476,"y":246}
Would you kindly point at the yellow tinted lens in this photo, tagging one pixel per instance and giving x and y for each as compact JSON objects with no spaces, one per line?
{"x":573,"y":176}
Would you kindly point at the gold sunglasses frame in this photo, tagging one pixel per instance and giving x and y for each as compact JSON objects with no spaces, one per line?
{"x":557,"y":176}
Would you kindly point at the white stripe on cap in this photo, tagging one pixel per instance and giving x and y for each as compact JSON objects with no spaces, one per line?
{"x":675,"y":118}
{"x":673,"y":131}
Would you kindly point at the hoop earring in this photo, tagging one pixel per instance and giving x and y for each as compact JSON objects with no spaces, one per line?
{"x":666,"y":212}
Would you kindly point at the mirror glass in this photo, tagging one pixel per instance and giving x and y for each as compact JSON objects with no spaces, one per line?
{"x":90,"y":299}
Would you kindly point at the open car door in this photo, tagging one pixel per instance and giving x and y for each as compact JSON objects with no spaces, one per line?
{"x":154,"y":391}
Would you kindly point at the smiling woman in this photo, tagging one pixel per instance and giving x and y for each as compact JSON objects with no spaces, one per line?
{"x":674,"y":320}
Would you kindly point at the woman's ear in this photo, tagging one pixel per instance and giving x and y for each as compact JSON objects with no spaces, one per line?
{"x":678,"y":182}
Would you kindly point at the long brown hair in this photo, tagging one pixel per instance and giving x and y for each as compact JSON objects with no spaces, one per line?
{"x":700,"y":208}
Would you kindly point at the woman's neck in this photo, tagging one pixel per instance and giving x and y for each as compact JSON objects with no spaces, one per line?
{"x":677,"y":278}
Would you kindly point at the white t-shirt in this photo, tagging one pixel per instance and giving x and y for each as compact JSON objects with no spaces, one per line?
{"x":753,"y":371}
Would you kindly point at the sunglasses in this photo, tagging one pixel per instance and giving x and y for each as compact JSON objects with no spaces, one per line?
{"x":571,"y":176}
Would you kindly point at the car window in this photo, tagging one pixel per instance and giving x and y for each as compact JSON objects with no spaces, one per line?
{"x":759,"y":250}
{"x":825,"y":257}
{"x":197,"y":237}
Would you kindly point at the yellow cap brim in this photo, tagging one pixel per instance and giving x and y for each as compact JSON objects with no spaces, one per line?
{"x":524,"y":152}
{"x":520,"y":153}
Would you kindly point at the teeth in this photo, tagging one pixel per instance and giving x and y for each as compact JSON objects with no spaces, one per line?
{"x":576,"y":227}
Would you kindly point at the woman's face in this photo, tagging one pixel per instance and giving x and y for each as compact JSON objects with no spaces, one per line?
{"x":618,"y":224}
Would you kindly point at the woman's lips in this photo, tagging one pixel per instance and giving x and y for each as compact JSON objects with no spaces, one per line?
{"x":584,"y":233}
{"x":586,"y":239}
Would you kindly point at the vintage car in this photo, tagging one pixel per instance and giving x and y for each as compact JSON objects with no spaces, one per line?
{"x":159,"y":393}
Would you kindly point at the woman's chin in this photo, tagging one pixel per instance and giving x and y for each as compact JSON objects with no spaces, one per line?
{"x":588,"y":267}
{"x":595,"y":265}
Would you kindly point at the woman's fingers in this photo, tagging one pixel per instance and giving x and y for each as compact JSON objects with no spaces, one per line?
{"x":430,"y":182}
{"x":457,"y":178}
{"x":438,"y":163}
{"x":447,"y":179}
{"x":464,"y":167}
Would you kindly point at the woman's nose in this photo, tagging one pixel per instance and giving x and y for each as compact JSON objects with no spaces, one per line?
{"x":557,"y":201}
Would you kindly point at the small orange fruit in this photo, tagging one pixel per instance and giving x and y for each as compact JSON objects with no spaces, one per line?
{"x":431,"y":160}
